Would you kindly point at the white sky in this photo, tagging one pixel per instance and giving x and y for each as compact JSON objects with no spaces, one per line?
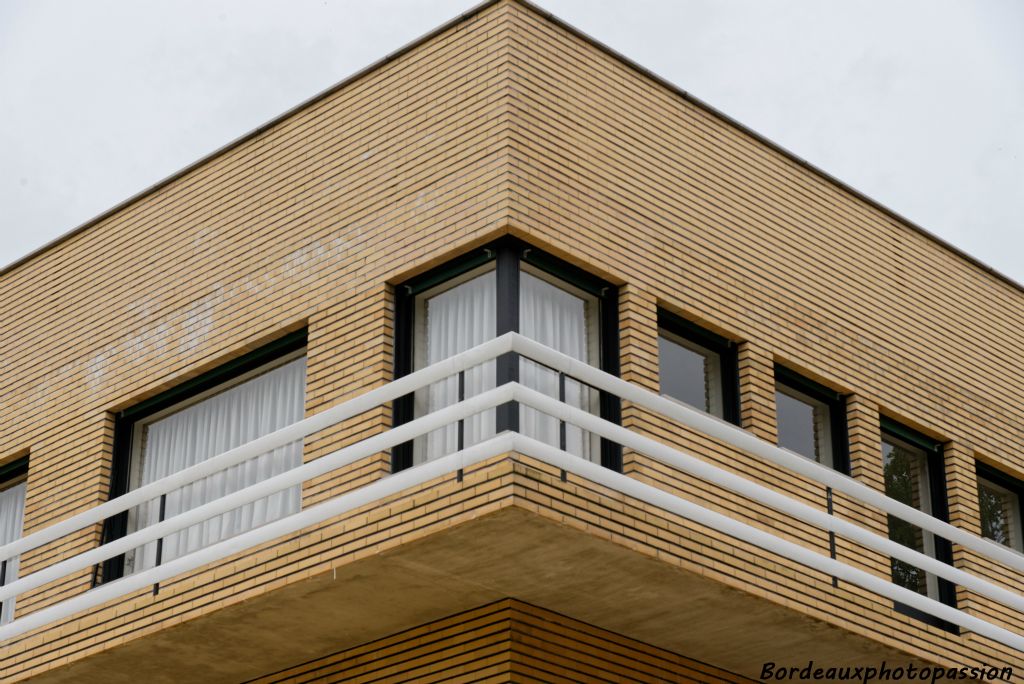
{"x":917,"y":103}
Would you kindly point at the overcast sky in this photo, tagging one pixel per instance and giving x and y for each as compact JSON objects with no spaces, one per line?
{"x":917,"y":103}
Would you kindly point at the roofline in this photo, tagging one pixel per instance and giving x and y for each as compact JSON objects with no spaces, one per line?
{"x":330,"y":90}
{"x":773,"y":145}
{"x":408,"y":47}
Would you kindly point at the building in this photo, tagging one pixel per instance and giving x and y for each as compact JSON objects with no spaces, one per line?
{"x":489,"y":517}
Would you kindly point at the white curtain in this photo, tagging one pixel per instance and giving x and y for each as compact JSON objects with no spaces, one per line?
{"x":557,"y":319}
{"x":12,"y":510}
{"x":456,"y":320}
{"x":231,"y":418}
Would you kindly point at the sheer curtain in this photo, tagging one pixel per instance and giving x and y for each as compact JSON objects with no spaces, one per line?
{"x":456,"y":320}
{"x":558,"y":319}
{"x":249,"y":410}
{"x":12,"y":510}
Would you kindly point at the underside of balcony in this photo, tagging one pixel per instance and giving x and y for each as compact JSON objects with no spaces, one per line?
{"x":549,"y":543}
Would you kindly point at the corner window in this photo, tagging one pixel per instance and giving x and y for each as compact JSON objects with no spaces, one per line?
{"x":503,"y":287}
{"x":697,"y":367}
{"x":999,"y":501}
{"x":811,"y":419}
{"x":12,"y":512}
{"x":913,"y":470}
{"x":256,"y":395}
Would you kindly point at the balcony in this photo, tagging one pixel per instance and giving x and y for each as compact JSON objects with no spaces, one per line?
{"x":510,"y":516}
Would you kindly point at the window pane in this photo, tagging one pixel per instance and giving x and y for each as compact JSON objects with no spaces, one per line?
{"x":803,"y":425}
{"x":12,"y":509}
{"x":210,"y":427}
{"x":995,"y":521}
{"x":690,"y":373}
{"x":456,"y":319}
{"x":999,"y":513}
{"x":460,"y":318}
{"x":558,"y":319}
{"x":906,"y":480}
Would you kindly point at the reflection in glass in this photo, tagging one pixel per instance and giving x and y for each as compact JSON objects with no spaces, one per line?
{"x":803,"y":424}
{"x":690,"y":373}
{"x":906,"y":480}
{"x":1000,"y":514}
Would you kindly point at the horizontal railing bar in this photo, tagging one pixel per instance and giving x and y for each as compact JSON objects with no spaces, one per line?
{"x":740,"y":438}
{"x":587,"y":375}
{"x":307,"y":471}
{"x":303,"y":428}
{"x":556,"y":361}
{"x":765,"y":540}
{"x":550,"y":406}
{"x":555,"y":370}
{"x":318,"y":513}
{"x":507,"y":442}
{"x":761,"y":494}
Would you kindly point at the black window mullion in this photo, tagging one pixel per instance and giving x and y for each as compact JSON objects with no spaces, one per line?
{"x":729,"y":368}
{"x":940,"y":510}
{"x":507,"y":320}
{"x":403,"y":407}
{"x":610,"y":405}
{"x":840,"y":435}
{"x":116,"y":526}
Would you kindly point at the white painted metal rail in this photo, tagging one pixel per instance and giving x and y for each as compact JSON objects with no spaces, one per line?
{"x":507,"y":442}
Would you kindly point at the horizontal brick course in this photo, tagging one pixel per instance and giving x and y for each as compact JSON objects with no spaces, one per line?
{"x":508,"y":123}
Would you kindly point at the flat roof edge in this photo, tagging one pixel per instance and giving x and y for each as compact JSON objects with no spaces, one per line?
{"x":773,"y":145}
{"x":408,"y":47}
{"x":326,"y":92}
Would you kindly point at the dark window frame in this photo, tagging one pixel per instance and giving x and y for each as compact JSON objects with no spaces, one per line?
{"x":836,"y":402}
{"x":1007,"y":482}
{"x":508,"y":253}
{"x":937,"y":490}
{"x":726,"y":349}
{"x":12,"y":473}
{"x":116,"y":526}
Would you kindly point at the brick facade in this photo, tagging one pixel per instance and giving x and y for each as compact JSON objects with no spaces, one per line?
{"x":507,"y":122}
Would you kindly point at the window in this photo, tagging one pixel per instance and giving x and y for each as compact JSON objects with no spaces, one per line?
{"x":450,"y":318}
{"x":505,"y":286}
{"x":811,"y":419}
{"x":12,"y":511}
{"x":697,"y":367}
{"x":999,"y":500}
{"x":913,"y":470}
{"x":257,"y":394}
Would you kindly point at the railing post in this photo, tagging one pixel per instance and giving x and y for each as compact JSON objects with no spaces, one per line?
{"x":831,"y":534}
{"x":462,"y":423}
{"x":3,"y":581}
{"x":160,"y":541}
{"x":561,"y":422}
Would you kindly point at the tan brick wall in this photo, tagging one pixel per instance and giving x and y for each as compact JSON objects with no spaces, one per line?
{"x":505,"y":122}
{"x":757,"y":391}
{"x":685,"y":207}
{"x":302,"y":225}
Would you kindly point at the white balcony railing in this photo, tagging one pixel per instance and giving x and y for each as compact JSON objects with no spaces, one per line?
{"x":509,"y":442}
